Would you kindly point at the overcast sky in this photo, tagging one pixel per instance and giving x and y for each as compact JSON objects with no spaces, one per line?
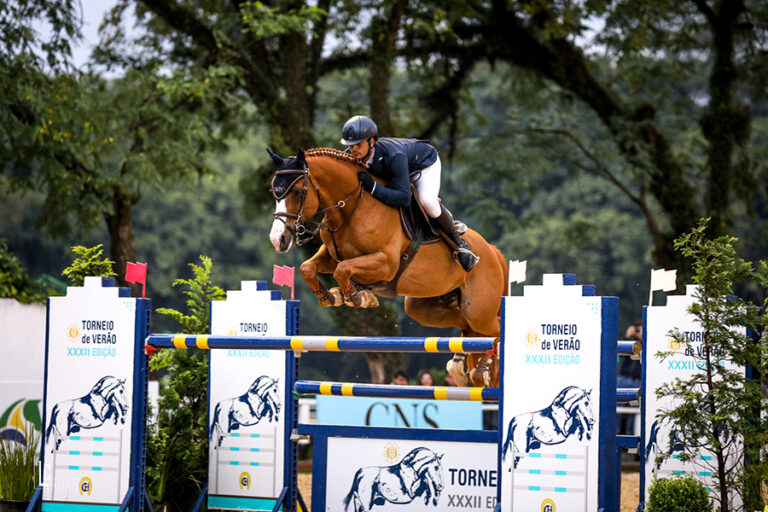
{"x":93,"y":12}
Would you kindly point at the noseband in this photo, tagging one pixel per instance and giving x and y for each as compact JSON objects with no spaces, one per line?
{"x":297,"y":227}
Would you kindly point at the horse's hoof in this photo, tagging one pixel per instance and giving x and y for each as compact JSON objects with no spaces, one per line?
{"x":369,"y":299}
{"x":461,"y":381}
{"x":455,"y":366}
{"x":353,"y":299}
{"x":480,"y":378}
{"x":337,"y":296}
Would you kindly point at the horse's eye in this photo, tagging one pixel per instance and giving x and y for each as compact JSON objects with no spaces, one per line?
{"x":296,"y":192}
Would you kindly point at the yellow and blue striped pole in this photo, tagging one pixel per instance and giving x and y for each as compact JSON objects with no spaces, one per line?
{"x":392,"y":391}
{"x":323,"y":343}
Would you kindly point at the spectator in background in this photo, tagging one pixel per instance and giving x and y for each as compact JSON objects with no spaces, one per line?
{"x":426,"y":378}
{"x":401,"y":378}
{"x":630,"y":370}
{"x":449,"y":380}
{"x":630,"y":373}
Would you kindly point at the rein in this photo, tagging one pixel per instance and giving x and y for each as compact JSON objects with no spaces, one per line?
{"x":299,"y":228}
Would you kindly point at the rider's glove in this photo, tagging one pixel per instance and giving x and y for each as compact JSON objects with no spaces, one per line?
{"x":366,"y":180}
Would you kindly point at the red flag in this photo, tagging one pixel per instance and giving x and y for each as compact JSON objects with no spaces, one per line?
{"x":283,"y":276}
{"x":137,"y":273}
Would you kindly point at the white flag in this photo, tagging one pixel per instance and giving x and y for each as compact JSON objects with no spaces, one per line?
{"x":517,"y":271}
{"x":665,"y":280}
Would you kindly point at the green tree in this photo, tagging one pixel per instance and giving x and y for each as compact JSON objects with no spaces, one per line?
{"x":717,"y":408}
{"x":95,"y":145}
{"x":629,"y":91}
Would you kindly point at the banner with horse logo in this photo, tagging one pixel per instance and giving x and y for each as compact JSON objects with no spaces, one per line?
{"x":555,"y":373}
{"x":246,"y":406}
{"x":659,"y":438}
{"x":87,"y":420}
{"x":409,"y":475}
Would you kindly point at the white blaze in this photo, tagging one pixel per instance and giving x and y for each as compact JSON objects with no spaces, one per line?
{"x":278,"y":226}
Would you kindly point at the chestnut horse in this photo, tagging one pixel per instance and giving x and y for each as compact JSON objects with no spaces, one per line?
{"x":363,"y":242}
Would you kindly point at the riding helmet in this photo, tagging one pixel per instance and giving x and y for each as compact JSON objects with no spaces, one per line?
{"x":357,"y":129}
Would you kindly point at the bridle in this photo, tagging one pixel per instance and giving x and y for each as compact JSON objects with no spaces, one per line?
{"x":303,"y":234}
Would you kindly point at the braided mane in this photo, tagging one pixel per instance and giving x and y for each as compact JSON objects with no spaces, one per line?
{"x":332,"y":153}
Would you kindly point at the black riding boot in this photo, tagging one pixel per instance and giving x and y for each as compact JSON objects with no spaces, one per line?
{"x":463,"y":254}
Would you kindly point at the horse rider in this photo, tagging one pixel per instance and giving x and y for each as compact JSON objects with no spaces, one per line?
{"x":400,"y":162}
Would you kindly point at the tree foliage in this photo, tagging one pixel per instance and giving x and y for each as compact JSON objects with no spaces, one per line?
{"x":717,"y":408}
{"x":15,"y":283}
{"x":87,"y":261}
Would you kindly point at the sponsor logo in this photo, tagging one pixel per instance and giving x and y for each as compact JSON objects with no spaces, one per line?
{"x":391,"y":452}
{"x":86,"y":486}
{"x":73,"y":333}
{"x":674,"y":345}
{"x":244,"y":480}
{"x":20,"y":421}
{"x":547,"y":506}
{"x":532,"y":337}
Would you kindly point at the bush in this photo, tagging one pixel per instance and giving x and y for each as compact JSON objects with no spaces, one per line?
{"x":87,"y":261}
{"x":19,"y":466}
{"x":15,"y":283}
{"x":679,"y":494}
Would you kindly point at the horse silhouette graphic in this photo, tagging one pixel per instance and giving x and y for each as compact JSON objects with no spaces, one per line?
{"x":262,"y":400}
{"x":569,"y":413}
{"x":657,"y":451}
{"x":420,"y":473}
{"x":106,"y":400}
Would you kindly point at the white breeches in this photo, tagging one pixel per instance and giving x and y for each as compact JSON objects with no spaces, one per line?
{"x":428,"y":188}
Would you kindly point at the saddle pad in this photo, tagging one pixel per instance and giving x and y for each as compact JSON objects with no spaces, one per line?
{"x":410,"y":222}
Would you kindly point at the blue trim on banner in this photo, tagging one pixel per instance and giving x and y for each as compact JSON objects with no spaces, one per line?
{"x":501,"y":426}
{"x":418,"y":434}
{"x":77,"y":507}
{"x":240,"y":503}
{"x":45,"y":386}
{"x":643,"y":385}
{"x":609,"y":474}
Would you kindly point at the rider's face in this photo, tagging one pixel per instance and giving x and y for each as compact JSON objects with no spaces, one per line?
{"x":360,"y":150}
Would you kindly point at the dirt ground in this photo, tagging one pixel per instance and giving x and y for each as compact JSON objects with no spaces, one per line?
{"x":630,"y":495}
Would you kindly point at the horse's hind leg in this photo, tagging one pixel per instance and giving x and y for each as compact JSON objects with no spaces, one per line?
{"x":480,"y":305}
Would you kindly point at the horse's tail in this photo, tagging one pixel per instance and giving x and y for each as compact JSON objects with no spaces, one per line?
{"x":504,"y":269}
{"x":352,"y":491}
{"x":216,"y":411}
{"x":508,"y":442}
{"x":52,"y":425}
{"x":652,"y":439}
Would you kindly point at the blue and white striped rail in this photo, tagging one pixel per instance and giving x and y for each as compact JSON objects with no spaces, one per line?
{"x":392,"y":391}
{"x":322,"y":343}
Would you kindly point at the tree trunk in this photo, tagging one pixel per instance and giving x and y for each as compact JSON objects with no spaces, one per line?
{"x":383,"y":37}
{"x":726,"y":124}
{"x":121,"y":236}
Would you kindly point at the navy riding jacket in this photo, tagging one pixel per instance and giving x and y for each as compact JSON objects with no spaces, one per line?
{"x":396,"y":161}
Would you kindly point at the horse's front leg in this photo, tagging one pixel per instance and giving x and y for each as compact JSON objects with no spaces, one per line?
{"x":321,"y":263}
{"x":369,"y":268}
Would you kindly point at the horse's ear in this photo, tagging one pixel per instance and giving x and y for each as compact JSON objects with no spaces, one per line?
{"x":301,"y":157}
{"x":275,"y":158}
